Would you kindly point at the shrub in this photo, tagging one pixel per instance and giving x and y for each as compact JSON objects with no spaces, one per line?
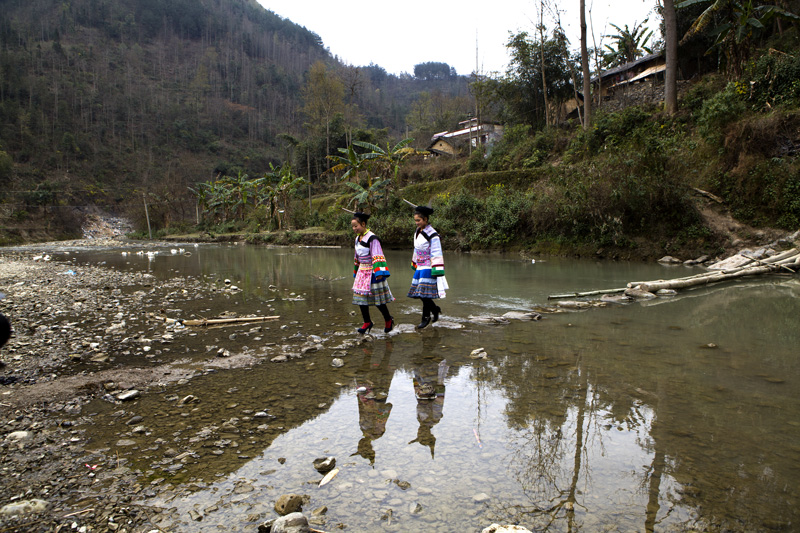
{"x":495,"y":220}
{"x":720,"y":110}
{"x":609,"y":130}
{"x":774,"y":79}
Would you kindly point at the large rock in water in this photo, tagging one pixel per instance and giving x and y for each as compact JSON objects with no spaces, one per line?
{"x":291,"y":523}
{"x":522,"y":315}
{"x":24,"y":507}
{"x":289,"y":503}
{"x":638,"y":294}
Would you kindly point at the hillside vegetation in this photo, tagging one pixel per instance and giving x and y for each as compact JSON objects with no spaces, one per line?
{"x":635,"y":185}
{"x":232,"y":123}
{"x":109,"y":103}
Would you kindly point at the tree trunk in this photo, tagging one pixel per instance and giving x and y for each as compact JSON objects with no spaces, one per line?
{"x":541,"y":50}
{"x":671,"y":75}
{"x":587,"y":81}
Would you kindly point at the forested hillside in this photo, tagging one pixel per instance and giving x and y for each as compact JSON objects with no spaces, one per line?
{"x":102,"y":101}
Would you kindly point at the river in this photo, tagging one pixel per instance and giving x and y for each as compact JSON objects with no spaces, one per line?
{"x":675,"y":414}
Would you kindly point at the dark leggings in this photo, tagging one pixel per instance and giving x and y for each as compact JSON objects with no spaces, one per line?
{"x":383,"y":308}
{"x":428,"y":306}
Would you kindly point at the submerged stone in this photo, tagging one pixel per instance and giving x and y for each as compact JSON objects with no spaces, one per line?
{"x":289,"y":503}
{"x":324,"y":464}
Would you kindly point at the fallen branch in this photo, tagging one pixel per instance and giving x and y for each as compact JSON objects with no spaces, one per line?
{"x":709,"y":195}
{"x":79,"y":512}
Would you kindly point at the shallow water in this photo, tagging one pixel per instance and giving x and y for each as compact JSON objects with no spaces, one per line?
{"x":674,"y":414}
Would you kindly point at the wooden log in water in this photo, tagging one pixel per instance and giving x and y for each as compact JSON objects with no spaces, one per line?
{"x":718,"y":276}
{"x":589,"y":293}
{"x":213,"y":321}
{"x":785,"y":261}
{"x":782,"y":261}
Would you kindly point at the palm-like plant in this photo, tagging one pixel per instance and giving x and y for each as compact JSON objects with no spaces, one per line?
{"x":351,"y":162}
{"x":735,"y":23}
{"x":201,"y":191}
{"x":379,"y":167}
{"x":629,"y":44}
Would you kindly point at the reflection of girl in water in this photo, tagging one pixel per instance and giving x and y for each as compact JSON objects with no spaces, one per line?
{"x":370,"y":272}
{"x":373,"y":413}
{"x":429,"y":390}
{"x":373,"y":381}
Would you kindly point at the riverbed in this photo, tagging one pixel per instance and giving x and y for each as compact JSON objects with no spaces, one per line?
{"x":673,"y":414}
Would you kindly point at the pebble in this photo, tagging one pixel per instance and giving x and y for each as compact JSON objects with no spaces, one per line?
{"x":128,"y":395}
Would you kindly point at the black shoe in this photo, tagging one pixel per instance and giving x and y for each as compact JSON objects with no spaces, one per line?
{"x":389,"y":325}
{"x":425,"y":321}
{"x":365,"y":328}
{"x":436,"y":311}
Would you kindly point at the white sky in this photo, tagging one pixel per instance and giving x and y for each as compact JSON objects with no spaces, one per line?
{"x":399,"y":35}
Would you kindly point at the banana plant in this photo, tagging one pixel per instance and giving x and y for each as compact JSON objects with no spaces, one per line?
{"x":379,"y":166}
{"x":201,"y":192}
{"x":285,"y":185}
{"x":630,"y":44}
{"x":736,"y":24}
{"x":351,"y":162}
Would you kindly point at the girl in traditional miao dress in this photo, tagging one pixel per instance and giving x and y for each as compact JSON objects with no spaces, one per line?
{"x":370,"y":272}
{"x":429,"y":282}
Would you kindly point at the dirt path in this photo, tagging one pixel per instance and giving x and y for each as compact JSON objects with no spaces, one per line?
{"x":737,"y":235}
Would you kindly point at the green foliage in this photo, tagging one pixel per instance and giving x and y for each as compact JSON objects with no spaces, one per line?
{"x":373,"y":172}
{"x":609,"y":130}
{"x":701,"y":91}
{"x":767,"y":194}
{"x":519,"y":149}
{"x":721,"y":109}
{"x":477,"y":160}
{"x":520,"y":93}
{"x":774,"y":80}
{"x":736,"y":25}
{"x":6,"y":166}
{"x":44,"y":194}
{"x":434,"y":71}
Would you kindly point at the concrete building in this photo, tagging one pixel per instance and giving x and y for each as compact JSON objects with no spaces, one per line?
{"x":469,"y":135}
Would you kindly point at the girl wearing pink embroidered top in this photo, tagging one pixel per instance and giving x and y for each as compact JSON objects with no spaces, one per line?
{"x":370,"y":272}
{"x":429,"y":282}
